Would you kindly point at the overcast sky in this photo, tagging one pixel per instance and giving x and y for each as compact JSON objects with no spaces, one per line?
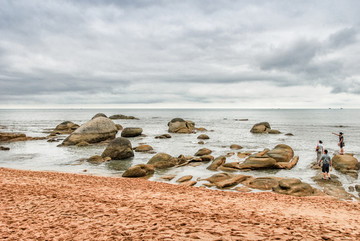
{"x":245,"y":54}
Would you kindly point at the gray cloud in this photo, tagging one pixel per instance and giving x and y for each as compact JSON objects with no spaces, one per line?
{"x":148,"y":52}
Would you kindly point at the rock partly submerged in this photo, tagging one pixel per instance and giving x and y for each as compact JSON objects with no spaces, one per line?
{"x":118,"y":149}
{"x":66,"y":127}
{"x":139,"y":170}
{"x":281,"y":157}
{"x":179,"y":125}
{"x":11,"y":137}
{"x":4,"y":148}
{"x":143,"y":148}
{"x":131,"y":132}
{"x":99,"y":115}
{"x":163,"y":160}
{"x":346,"y":164}
{"x":122,"y":117}
{"x":163,"y":136}
{"x":94,"y":131}
{"x":263,"y":127}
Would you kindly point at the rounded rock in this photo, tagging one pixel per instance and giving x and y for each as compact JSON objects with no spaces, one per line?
{"x":118,"y":149}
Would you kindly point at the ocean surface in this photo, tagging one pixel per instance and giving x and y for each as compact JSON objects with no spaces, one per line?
{"x":224,"y":129}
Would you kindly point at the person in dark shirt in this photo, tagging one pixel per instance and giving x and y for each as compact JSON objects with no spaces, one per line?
{"x":327,"y":163}
{"x":341,"y":143}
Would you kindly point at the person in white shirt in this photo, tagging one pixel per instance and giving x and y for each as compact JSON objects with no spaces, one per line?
{"x":319,"y":151}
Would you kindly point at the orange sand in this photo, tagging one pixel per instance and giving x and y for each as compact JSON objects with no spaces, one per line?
{"x":60,"y":206}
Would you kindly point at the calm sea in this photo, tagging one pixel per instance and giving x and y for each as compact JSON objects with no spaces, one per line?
{"x":307,"y":126}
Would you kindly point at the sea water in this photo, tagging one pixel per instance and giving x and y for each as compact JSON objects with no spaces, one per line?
{"x":224,"y":126}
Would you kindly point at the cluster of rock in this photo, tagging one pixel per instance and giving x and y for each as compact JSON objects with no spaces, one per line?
{"x":281,"y":157}
{"x":178,"y":125}
{"x":100,"y":128}
{"x":10,"y":137}
{"x":288,"y":186}
{"x":124,"y":117}
{"x":263,"y":127}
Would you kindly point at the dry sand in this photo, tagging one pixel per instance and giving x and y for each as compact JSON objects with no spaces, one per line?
{"x":60,"y":206}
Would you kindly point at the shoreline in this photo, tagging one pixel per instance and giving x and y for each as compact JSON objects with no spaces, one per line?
{"x":54,"y":205}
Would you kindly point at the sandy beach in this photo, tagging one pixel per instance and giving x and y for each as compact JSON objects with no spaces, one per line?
{"x":62,"y":206}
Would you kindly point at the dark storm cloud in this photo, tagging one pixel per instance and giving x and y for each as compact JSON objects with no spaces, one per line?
{"x":157,"y":51}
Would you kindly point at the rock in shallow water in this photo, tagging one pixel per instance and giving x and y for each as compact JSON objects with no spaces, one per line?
{"x":93,"y":131}
{"x":263,"y":127}
{"x":118,"y":149}
{"x":346,"y":164}
{"x":143,"y":148}
{"x":3,"y":148}
{"x":178,"y":125}
{"x":140,"y":170}
{"x":163,"y":160}
{"x":131,"y":132}
{"x":202,"y":152}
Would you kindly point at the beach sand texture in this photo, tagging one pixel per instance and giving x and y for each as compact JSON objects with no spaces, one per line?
{"x":62,"y":206}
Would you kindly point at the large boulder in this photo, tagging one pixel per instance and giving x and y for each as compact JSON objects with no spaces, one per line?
{"x":66,"y":127}
{"x":140,"y":170}
{"x":93,"y":131}
{"x":295,"y":187}
{"x":118,"y":149}
{"x":263,"y":127}
{"x":163,"y":160}
{"x":346,"y":164}
{"x":131,"y":132}
{"x":281,"y":153}
{"x":178,"y":125}
{"x":281,"y":157}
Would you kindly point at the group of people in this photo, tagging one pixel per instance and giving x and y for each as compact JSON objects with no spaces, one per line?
{"x":323,"y":157}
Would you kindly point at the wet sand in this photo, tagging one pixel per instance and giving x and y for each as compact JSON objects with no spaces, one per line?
{"x":61,"y":206}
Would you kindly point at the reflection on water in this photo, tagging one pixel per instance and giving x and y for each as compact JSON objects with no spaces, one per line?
{"x":119,"y":165}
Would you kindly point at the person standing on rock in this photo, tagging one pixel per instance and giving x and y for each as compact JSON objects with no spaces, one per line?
{"x":341,"y":143}
{"x":319,"y":150}
{"x":327,"y":163}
